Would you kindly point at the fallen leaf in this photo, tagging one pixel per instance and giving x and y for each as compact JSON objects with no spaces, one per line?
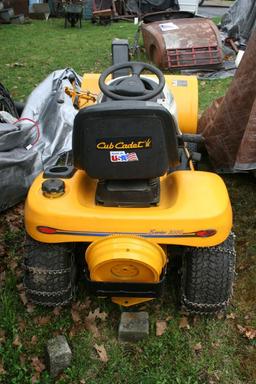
{"x":22,"y":325}
{"x":2,"y":250}
{"x":2,"y":278}
{"x":97,"y":315}
{"x":216,"y":344}
{"x":2,"y":336}
{"x":240,"y":328}
{"x":34,"y":339}
{"x":12,"y":265}
{"x":100,"y":349}
{"x":161,"y":326}
{"x":20,"y":287}
{"x":91,"y":327}
{"x":22,"y":358}
{"x":35,"y":378}
{"x":23,"y":298}
{"x":2,"y":370}
{"x":184,"y":323}
{"x":250,"y":333}
{"x":197,"y":347}
{"x":37,"y":364}
{"x":231,"y":316}
{"x":220,"y":315}
{"x":30,"y":308}
{"x":42,"y":320}
{"x":56,"y":311}
{"x":72,"y":332}
{"x":75,"y":316}
{"x":16,"y":342}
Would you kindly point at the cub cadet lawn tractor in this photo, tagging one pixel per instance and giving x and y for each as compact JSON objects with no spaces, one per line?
{"x":132,"y":201}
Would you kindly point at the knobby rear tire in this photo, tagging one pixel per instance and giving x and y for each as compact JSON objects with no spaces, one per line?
{"x":207,"y":277}
{"x":50,"y":273}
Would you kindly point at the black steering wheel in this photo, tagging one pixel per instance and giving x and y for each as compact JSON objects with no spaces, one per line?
{"x":131,"y":87}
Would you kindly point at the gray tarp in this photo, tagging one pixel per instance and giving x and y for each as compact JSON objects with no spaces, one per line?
{"x":20,"y":163}
{"x":240,"y":19}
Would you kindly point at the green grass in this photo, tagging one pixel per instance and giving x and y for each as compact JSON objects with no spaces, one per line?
{"x":226,"y":356}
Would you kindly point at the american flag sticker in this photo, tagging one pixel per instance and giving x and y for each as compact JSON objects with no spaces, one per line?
{"x":122,"y":156}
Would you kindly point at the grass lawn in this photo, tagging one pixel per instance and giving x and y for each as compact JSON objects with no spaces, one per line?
{"x":191,"y":351}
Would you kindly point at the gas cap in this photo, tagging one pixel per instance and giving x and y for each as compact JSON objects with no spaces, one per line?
{"x":53,"y":188}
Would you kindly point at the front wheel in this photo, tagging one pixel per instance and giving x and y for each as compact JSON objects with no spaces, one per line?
{"x":207,"y":277}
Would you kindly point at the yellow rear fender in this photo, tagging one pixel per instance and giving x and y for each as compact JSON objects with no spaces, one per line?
{"x":194,"y":210}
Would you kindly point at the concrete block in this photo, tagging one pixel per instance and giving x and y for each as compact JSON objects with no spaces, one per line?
{"x":133,"y":326}
{"x":58,"y":355}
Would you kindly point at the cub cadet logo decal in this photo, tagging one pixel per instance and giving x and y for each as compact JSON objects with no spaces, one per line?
{"x":127,"y":143}
{"x":121,"y":156}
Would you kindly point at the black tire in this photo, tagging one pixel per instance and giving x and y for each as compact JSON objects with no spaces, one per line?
{"x":50,"y":273}
{"x":201,"y":3}
{"x":207,"y":277}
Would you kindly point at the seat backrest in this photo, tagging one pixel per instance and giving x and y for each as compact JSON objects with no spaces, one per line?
{"x":120,"y":140}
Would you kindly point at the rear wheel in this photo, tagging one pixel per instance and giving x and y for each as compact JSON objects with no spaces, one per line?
{"x":207,"y":277}
{"x":50,"y":273}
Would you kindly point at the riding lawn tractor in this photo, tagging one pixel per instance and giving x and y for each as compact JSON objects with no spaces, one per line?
{"x":132,"y":200}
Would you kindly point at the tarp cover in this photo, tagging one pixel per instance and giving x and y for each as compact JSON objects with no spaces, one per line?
{"x":240,"y":19}
{"x":20,"y":163}
{"x":229,"y":124}
{"x":146,"y":6}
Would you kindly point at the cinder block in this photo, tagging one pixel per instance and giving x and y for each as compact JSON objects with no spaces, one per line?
{"x":58,"y":355}
{"x":133,"y":326}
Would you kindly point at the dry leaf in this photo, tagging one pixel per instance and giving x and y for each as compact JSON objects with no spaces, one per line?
{"x":2,"y":278}
{"x":216,"y":344}
{"x":30,"y":308}
{"x":184,"y":323}
{"x":56,"y":311}
{"x":42,"y":320}
{"x":161,"y":326}
{"x":22,"y":358}
{"x":97,"y":315}
{"x":240,"y":328}
{"x":20,"y":287}
{"x":2,"y":370}
{"x":91,"y":327}
{"x":250,"y":333}
{"x":12,"y":265}
{"x":16,"y":342}
{"x":34,"y":340}
{"x":37,"y":364}
{"x":100,"y":349}
{"x":23,"y":298}
{"x":220,"y":315}
{"x":75,"y":316}
{"x":231,"y":316}
{"x":35,"y":378}
{"x":197,"y":347}
{"x":22,"y":325}
{"x":2,"y":336}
